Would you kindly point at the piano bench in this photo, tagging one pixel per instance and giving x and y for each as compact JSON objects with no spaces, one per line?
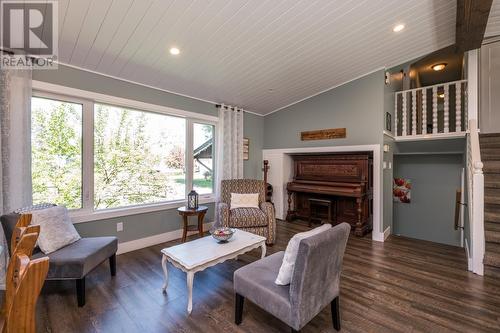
{"x":322,"y":203}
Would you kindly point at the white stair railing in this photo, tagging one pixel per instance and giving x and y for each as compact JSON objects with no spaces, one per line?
{"x":475,"y":189}
{"x":446,"y":104}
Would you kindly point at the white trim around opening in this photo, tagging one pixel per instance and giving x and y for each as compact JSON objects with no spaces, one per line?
{"x":280,"y":172}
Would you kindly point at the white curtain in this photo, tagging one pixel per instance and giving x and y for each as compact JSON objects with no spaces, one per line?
{"x":230,"y":143}
{"x":229,"y":162}
{"x":15,"y":147}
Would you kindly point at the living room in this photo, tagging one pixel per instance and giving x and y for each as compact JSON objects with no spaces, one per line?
{"x":250,"y":166}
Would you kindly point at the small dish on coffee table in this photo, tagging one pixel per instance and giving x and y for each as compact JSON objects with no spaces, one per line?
{"x":223,"y":234}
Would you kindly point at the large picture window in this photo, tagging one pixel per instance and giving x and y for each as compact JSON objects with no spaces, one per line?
{"x":203,"y":149}
{"x":138,"y":157}
{"x":96,"y":156}
{"x":56,"y":149}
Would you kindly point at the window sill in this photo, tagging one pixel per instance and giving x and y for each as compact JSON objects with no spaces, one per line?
{"x":81,"y":216}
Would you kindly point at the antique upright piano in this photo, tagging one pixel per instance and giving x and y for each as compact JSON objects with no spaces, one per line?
{"x":346,"y":180}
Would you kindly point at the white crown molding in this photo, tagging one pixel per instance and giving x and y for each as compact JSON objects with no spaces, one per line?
{"x":148,"y":86}
{"x":42,"y":86}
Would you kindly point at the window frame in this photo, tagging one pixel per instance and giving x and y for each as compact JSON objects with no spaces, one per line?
{"x":88,"y":100}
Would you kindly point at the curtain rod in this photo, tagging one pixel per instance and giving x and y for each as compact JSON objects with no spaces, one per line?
{"x":228,"y":107}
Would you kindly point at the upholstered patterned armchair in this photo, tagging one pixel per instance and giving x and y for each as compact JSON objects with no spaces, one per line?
{"x":260,"y":221}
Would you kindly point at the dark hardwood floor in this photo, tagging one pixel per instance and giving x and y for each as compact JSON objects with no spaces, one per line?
{"x":402,"y":285}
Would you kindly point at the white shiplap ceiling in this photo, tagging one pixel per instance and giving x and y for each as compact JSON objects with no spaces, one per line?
{"x":493,"y":27}
{"x":261,"y":55}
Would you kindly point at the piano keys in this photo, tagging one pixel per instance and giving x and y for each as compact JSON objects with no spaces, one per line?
{"x":345,"y":179}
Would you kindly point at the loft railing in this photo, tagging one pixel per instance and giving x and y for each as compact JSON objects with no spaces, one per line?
{"x":434,"y":111}
{"x":475,"y":189}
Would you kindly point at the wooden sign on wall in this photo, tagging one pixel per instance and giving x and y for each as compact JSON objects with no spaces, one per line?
{"x":325,"y":134}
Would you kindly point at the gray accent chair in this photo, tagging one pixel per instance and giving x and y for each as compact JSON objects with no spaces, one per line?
{"x":315,"y":281}
{"x":72,"y":262}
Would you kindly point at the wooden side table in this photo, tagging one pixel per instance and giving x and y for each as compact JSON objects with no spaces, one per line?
{"x":185,"y":213}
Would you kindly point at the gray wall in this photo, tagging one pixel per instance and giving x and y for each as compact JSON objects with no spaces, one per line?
{"x":148,"y":224}
{"x":395,"y":84}
{"x":430,"y":215}
{"x":358,"y":106}
{"x":74,"y":78}
{"x":139,"y":225}
{"x":254,"y":130}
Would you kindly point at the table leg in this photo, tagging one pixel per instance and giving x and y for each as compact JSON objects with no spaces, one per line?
{"x":165,"y":272}
{"x":263,"y":248}
{"x":200,"y":223}
{"x":184,"y":232}
{"x":190,"y":278}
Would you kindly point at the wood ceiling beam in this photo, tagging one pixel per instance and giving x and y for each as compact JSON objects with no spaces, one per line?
{"x":472,"y":17}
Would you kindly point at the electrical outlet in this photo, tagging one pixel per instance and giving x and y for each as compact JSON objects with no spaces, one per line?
{"x":119,"y":226}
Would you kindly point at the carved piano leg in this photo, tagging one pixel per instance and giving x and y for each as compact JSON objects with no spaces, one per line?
{"x":290,"y":213}
{"x":358,"y":230}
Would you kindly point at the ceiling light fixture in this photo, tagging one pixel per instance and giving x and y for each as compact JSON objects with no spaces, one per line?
{"x":398,"y":27}
{"x":439,"y":67}
{"x":174,"y":51}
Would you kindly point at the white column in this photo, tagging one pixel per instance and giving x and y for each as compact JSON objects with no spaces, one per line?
{"x":424,"y":111}
{"x":472,"y":84}
{"x":434,"y":110}
{"x":414,"y":112}
{"x":446,"y":108}
{"x":458,"y":106}
{"x":403,"y":133}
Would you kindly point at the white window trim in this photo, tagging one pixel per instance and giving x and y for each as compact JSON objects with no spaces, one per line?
{"x":118,"y":101}
{"x":88,"y":99}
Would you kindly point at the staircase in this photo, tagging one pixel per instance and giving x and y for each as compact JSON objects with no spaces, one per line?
{"x":490,"y":155}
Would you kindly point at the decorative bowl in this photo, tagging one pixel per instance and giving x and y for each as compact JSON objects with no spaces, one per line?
{"x":222,"y":234}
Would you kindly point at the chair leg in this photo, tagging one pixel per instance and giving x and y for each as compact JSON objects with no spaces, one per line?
{"x":112,"y":264}
{"x":238,"y":310}
{"x":336,"y":313}
{"x":80,"y":291}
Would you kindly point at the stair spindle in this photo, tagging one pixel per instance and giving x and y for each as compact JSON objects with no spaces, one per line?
{"x":446,"y":109}
{"x":424,"y":111}
{"x":404,"y":123}
{"x":458,"y":107}
{"x":414,"y":112}
{"x":396,"y":114}
{"x":434,"y":110}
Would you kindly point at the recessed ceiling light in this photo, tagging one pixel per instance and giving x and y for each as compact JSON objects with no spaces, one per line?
{"x":174,"y":51}
{"x":398,"y":27}
{"x":439,"y":67}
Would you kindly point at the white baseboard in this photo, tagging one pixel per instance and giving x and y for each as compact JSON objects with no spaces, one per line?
{"x":381,"y":236}
{"x":469,"y":259}
{"x":141,"y":243}
{"x":387,"y":232}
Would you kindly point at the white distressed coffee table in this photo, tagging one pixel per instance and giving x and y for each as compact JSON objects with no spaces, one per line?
{"x":196,"y":255}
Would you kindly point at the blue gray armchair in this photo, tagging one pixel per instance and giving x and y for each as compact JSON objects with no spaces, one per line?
{"x":315,"y":281}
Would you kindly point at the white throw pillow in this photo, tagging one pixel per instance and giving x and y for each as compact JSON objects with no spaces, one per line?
{"x":56,"y":229}
{"x":292,"y":249}
{"x":249,"y":200}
